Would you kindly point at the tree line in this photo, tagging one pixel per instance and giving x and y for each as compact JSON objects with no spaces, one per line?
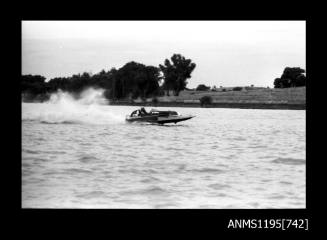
{"x":136,"y":80}
{"x":133,"y":80}
{"x":291,"y":77}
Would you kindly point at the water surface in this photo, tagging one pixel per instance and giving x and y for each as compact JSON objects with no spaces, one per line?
{"x":89,"y":157}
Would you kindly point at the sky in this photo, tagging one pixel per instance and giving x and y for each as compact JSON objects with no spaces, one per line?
{"x":226,"y":53}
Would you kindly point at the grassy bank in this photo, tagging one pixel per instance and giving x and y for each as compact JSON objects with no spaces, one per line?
{"x":252,"y":98}
{"x":217,"y":105}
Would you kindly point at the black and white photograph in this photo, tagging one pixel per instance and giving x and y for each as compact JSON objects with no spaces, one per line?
{"x":163,"y":114}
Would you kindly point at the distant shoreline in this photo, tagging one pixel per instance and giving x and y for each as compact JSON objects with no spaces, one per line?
{"x":217,"y":105}
{"x":253,"y":98}
{"x":276,"y":106}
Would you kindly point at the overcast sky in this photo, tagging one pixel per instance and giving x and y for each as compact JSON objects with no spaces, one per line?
{"x":227,"y":53}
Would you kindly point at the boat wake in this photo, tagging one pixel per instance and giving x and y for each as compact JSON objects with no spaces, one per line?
{"x":62,"y":108}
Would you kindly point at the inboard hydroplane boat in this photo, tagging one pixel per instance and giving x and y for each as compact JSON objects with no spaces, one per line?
{"x":156,"y":116}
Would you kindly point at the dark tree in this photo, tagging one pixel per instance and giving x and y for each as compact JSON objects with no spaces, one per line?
{"x":202,"y":87}
{"x":291,"y":77}
{"x":237,"y":89}
{"x":278,"y":83}
{"x":136,"y":80}
{"x":33,"y":84}
{"x":205,"y":100}
{"x":176,"y":73}
{"x":132,"y":80}
{"x":57,"y":83}
{"x":299,"y":80}
{"x":152,"y":81}
{"x":155,"y":101}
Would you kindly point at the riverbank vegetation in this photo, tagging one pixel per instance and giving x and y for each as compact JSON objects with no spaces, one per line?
{"x":132,"y":81}
{"x":291,"y":77}
{"x":137,"y":82}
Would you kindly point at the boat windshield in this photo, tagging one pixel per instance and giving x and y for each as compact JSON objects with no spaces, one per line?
{"x":135,"y":113}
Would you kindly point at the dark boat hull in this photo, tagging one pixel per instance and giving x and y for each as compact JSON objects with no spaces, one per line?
{"x":172,"y":120}
{"x":143,"y":119}
{"x":159,"y":120}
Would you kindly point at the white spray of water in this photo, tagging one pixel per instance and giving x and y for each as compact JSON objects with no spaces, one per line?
{"x":91,"y":107}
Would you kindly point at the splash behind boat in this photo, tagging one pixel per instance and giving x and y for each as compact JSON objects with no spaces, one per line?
{"x":156,"y":116}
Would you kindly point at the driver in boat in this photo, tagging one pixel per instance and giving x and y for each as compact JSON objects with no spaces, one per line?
{"x":139,"y":112}
{"x":143,"y":112}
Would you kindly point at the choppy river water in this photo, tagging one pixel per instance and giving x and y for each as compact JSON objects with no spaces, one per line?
{"x":87,"y":156}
